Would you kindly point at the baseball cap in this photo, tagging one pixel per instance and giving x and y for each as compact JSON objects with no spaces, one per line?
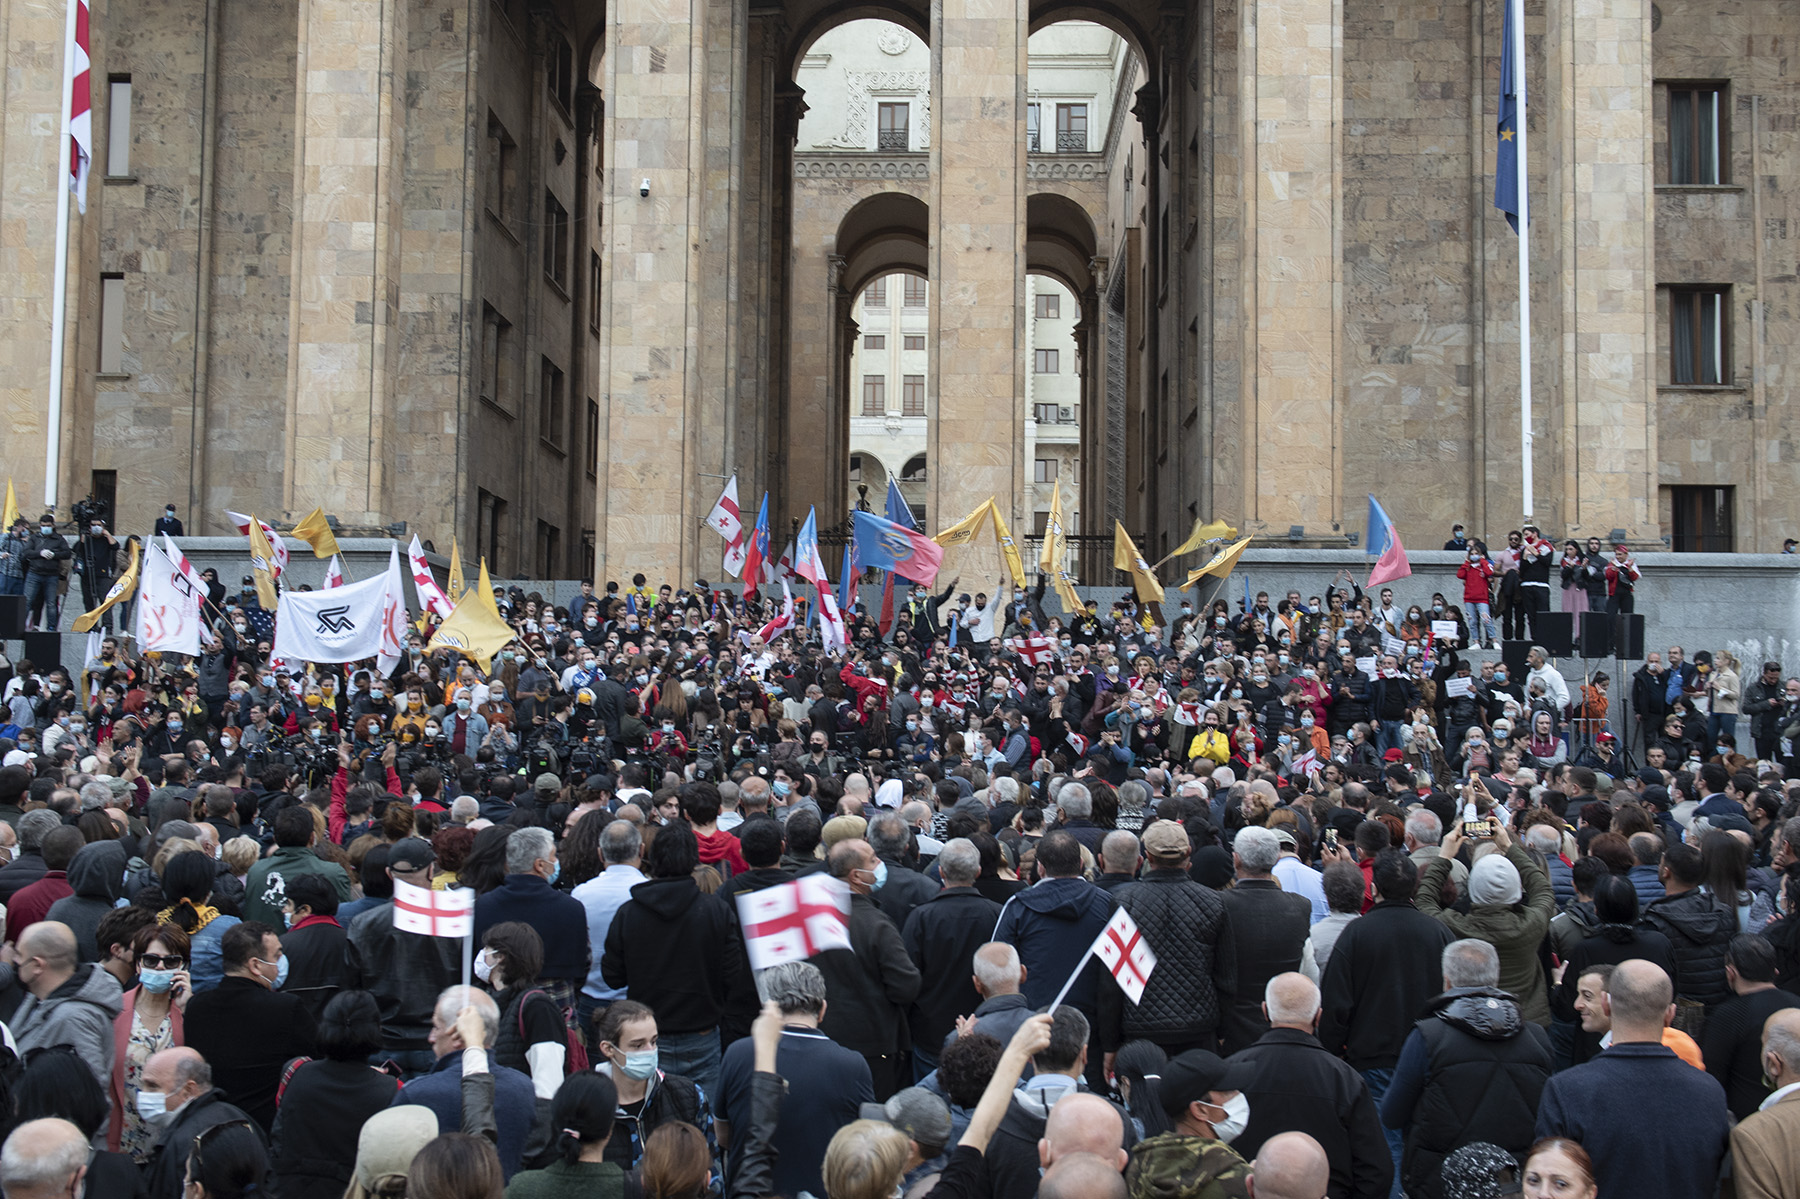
{"x":599,"y":782}
{"x":1393,"y":755}
{"x":546,"y":782}
{"x":922,"y":1116}
{"x":1190,"y":1076}
{"x":1166,"y":839}
{"x":1285,"y":836}
{"x":410,"y":853}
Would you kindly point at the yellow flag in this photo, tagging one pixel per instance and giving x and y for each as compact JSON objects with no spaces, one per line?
{"x":1050,"y":554}
{"x":1127,"y":558}
{"x":121,"y":590}
{"x":456,"y":575}
{"x":315,"y":530}
{"x":964,"y":530}
{"x":1008,"y":546}
{"x":260,"y":558}
{"x":12,"y":507}
{"x":474,"y":628}
{"x":1203,"y":532}
{"x":1220,"y":564}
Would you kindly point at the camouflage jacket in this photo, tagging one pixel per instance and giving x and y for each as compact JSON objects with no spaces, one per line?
{"x":1173,"y":1166}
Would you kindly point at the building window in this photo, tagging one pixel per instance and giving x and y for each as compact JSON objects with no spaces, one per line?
{"x":874,"y":395}
{"x":561,"y":72}
{"x":913,"y":342}
{"x":912,"y":396}
{"x":1697,"y":132}
{"x":1700,"y":520}
{"x":550,"y":403}
{"x":593,"y":439}
{"x":1045,"y":414}
{"x":112,"y":324}
{"x":490,"y":520}
{"x":914,"y":472}
{"x":1071,"y":128}
{"x":891,"y":127}
{"x":1049,"y":306}
{"x":1046,"y":470}
{"x":914,"y":293}
{"x":118,"y":125}
{"x":103,"y":485}
{"x":594,"y":291}
{"x":1040,"y":524}
{"x":497,"y":380}
{"x":1699,"y":335}
{"x":549,"y":550}
{"x":502,"y":171}
{"x":874,"y":341}
{"x":556,"y":241}
{"x":856,"y":468}
{"x":875,"y":296}
{"x":1033,"y":140}
{"x":1044,"y":362}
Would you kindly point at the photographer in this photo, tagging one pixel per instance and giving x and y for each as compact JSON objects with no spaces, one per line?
{"x":97,"y":564}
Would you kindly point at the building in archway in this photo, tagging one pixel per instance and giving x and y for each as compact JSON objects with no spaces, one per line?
{"x":538,"y":274}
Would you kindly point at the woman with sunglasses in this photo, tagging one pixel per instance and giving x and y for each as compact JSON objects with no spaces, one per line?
{"x":227,"y":1161}
{"x":150,"y":1022}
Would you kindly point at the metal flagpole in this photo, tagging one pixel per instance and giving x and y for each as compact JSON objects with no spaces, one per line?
{"x":59,"y":288}
{"x":1524,"y":208}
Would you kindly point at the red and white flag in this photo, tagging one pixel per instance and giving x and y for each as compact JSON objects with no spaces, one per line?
{"x":190,"y":577}
{"x":431,"y":596}
{"x":1122,"y":948}
{"x":433,"y":913}
{"x":81,"y":115}
{"x":1034,"y":648}
{"x":334,"y":574}
{"x":1187,"y":714}
{"x":277,"y":545}
{"x":783,"y":622}
{"x":831,"y":622}
{"x":794,"y":921}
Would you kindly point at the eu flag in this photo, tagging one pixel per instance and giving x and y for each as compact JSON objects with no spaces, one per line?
{"x":1512,"y":85}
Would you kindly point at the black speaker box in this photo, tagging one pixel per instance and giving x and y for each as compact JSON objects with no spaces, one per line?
{"x":1596,"y":635}
{"x":12,"y":617}
{"x":1555,"y":631}
{"x":1513,"y":654}
{"x":44,"y":649}
{"x":1628,"y":636}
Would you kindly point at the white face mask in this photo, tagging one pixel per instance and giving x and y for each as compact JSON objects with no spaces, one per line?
{"x":1237,"y":1118}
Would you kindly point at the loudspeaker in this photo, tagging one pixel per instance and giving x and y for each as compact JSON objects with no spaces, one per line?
{"x":1555,"y":631}
{"x":1596,"y":635}
{"x":44,"y":649}
{"x":1628,"y":636}
{"x":1513,"y":654}
{"x":12,"y":617}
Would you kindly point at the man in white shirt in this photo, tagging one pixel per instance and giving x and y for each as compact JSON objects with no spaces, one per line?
{"x":978,"y":621}
{"x":1556,"y":689}
{"x":621,"y":850}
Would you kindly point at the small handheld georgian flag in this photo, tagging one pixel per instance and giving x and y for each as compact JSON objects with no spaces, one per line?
{"x":1034,"y":648}
{"x":794,"y":921}
{"x":433,"y":913}
{"x":1123,"y":950}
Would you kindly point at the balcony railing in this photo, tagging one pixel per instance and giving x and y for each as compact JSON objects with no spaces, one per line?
{"x":891,"y":139}
{"x":1071,"y":143}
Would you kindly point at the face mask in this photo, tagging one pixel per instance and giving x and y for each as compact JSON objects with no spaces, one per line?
{"x":157,"y":982}
{"x":46,"y":530}
{"x":268,"y":680}
{"x":241,"y":627}
{"x":667,"y":729}
{"x":227,"y":743}
{"x":912,"y":726}
{"x":640,"y":1065}
{"x":174,"y":726}
{"x":1283,"y":659}
{"x":881,"y":874}
{"x":1218,"y":622}
{"x":462,"y":705}
{"x":1237,"y":693}
{"x":431,"y":730}
{"x":1499,"y":676}
{"x":1437,"y":609}
{"x":1722,"y":750}
{"x":1237,"y":1117}
{"x":281,"y":970}
{"x":318,"y":735}
{"x":1284,"y":739}
{"x":781,"y":789}
{"x":484,"y":969}
{"x":152,"y":1107}
{"x":1306,"y":722}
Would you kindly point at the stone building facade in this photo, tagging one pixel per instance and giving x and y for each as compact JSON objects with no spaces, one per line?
{"x":539,"y":274}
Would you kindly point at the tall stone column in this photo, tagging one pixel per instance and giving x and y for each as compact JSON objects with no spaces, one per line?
{"x":1291,"y":99}
{"x":1600,"y":220}
{"x":977,"y":264}
{"x":349,"y":160}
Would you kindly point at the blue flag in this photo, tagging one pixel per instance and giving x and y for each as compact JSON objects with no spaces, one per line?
{"x":847,"y":584}
{"x":1381,"y":529}
{"x":890,"y":545}
{"x":1506,"y":162}
{"x":898,"y":510}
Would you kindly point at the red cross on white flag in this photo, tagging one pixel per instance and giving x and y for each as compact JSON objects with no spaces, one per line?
{"x":1033,"y":648}
{"x":1123,"y":950}
{"x":433,"y":913}
{"x":794,"y":921}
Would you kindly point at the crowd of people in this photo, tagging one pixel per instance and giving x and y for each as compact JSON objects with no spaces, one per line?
{"x":1418,"y":927}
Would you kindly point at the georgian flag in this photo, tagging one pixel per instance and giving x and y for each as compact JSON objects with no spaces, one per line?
{"x":277,"y":546}
{"x":729,"y":523}
{"x":81,"y":115}
{"x":831,"y":622}
{"x":1187,"y":714}
{"x":783,"y":622}
{"x":190,"y":578}
{"x":1034,"y":648}
{"x":431,"y":596}
{"x":1124,"y":952}
{"x":434,"y":913}
{"x":334,"y":574}
{"x":794,"y":921}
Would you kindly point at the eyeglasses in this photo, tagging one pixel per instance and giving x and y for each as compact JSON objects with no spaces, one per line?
{"x":162,"y":961}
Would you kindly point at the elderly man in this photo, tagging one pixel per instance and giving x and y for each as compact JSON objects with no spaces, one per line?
{"x":1765,"y":1147}
{"x":902,"y":889}
{"x":44,"y":1159}
{"x":1269,"y":928}
{"x":870,"y":984}
{"x":178,"y":1102}
{"x":526,"y":896}
{"x":1423,"y":841}
{"x":515,"y":1099}
{"x":998,"y":976}
{"x":1289,"y":1166}
{"x":1075,"y":807}
{"x":67,"y":1002}
{"x":942,"y":936}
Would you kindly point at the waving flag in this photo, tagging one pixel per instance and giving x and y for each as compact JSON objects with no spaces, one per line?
{"x":1220,"y":564}
{"x":345,"y":624}
{"x":1122,"y":949}
{"x":1127,"y":558}
{"x":190,"y":577}
{"x":262,"y":559}
{"x":1009,"y":548}
{"x":831,"y":622}
{"x":847,"y":581}
{"x":431,"y":913}
{"x":279,"y":562}
{"x":756,"y":553}
{"x":431,"y":596}
{"x":168,"y":608}
{"x":1512,"y":87}
{"x":334,"y":573}
{"x":783,"y":622}
{"x":729,"y":524}
{"x":888,"y":545}
{"x":315,"y":530}
{"x":1033,"y":648}
{"x":807,"y":563}
{"x":120,"y":590}
{"x":964,"y":530}
{"x":1384,"y":541}
{"x":793,"y":921}
{"x":81,"y":115}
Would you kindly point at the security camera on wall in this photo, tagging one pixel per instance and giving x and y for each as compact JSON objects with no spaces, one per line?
{"x":644,"y":187}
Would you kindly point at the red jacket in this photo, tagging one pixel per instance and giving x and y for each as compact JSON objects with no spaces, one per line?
{"x":862,"y":685}
{"x":1475,"y":577}
{"x":721,"y":846}
{"x":1631,"y":575}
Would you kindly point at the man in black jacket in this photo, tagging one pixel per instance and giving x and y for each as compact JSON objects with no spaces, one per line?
{"x":314,"y":943}
{"x":185,"y":1082}
{"x":246,"y":1029}
{"x":869,"y":985}
{"x":1698,"y":926}
{"x":1269,"y":929}
{"x":941,"y":936}
{"x":1472,"y":1069}
{"x":902,"y":888}
{"x":1382,"y":970}
{"x":1763,"y":702}
{"x":1298,"y":1087}
{"x":404,"y":971}
{"x":44,"y":555}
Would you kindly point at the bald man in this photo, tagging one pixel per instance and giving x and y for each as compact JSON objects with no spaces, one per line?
{"x":1290,"y":1165}
{"x":180,"y":1083}
{"x":44,"y":1159}
{"x":1296,"y":1086}
{"x":1083,"y":1124}
{"x":69,"y":1002}
{"x":1081,"y":1176}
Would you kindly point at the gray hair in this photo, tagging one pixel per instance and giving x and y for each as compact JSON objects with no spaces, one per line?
{"x":525,"y":846}
{"x":1076,"y":801}
{"x":1782,"y":1038}
{"x":620,"y":842}
{"x":35,"y":1166}
{"x":1006,"y":789}
{"x":452,"y":1000}
{"x":793,"y":987}
{"x":959,"y":863}
{"x":1133,"y":795}
{"x":196,"y":1070}
{"x":1257,"y":849}
{"x":1543,"y":838}
{"x":997,"y":965}
{"x":95,"y":795}
{"x":889,"y":834}
{"x":1471,"y":963}
{"x":464,"y":808}
{"x":1291,"y":999}
{"x":1424,"y":827}
{"x":33,"y":827}
{"x":1120,"y":848}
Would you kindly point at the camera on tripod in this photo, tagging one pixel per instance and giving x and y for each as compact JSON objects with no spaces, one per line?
{"x":88,"y":510}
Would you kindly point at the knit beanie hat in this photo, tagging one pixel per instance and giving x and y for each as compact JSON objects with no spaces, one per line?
{"x":1494,"y":880}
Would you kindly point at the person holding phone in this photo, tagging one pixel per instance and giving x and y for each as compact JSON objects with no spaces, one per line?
{"x":150,"y":1023}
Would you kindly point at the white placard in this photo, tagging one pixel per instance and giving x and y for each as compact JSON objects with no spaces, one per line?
{"x":1444,"y":630}
{"x":1456,"y":686}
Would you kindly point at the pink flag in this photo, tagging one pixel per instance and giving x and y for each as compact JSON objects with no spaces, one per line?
{"x":433,"y":913}
{"x":794,"y":921}
{"x":1392,"y":564}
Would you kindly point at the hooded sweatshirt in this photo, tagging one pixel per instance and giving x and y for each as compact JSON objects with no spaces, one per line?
{"x":78,"y":1013}
{"x":1051,"y":925}
{"x":677,"y":949}
{"x":720,"y":846}
{"x":97,"y":878}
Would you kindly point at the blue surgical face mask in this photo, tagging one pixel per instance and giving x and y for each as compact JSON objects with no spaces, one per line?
{"x":281,"y":970}
{"x":881,"y":876}
{"x":555,"y":873}
{"x":781,"y":788}
{"x":640,"y":1065}
{"x":157,"y":982}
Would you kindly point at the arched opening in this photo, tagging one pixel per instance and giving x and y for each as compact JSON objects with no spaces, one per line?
{"x":889,"y":366}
